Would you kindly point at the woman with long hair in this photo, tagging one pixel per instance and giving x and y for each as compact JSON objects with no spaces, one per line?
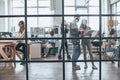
{"x":21,"y":43}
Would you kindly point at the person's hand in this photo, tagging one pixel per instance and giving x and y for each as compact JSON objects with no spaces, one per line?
{"x":65,"y":25}
{"x":82,"y":32}
{"x":90,"y":35}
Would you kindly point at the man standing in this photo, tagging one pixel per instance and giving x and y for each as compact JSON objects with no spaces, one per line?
{"x":64,"y":44}
{"x":74,"y":33}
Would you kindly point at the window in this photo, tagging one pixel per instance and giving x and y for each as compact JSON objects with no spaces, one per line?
{"x":43,"y":16}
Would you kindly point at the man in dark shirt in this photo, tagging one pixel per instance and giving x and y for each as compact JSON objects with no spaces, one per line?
{"x":64,"y":43}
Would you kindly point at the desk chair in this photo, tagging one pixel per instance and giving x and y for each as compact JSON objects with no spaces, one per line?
{"x":54,"y":49}
{"x":97,"y":44}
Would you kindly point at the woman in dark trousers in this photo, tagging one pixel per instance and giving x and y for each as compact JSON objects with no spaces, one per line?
{"x":21,"y":43}
{"x":64,"y":44}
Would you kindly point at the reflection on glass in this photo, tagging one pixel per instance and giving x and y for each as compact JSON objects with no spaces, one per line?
{"x":84,"y":74}
{"x":54,"y":70}
{"x":12,"y":71}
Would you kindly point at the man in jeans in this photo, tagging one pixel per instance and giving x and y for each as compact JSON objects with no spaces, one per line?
{"x":74,"y":33}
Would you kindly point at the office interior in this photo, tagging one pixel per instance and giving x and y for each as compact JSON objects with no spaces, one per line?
{"x":43,"y":16}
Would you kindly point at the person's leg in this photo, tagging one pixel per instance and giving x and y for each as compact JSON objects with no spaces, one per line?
{"x":89,"y":47}
{"x":18,"y":48}
{"x":75,"y":56}
{"x":24,"y":47}
{"x":43,"y":46}
{"x":66,"y":47}
{"x":61,"y":48}
{"x":48,"y":46}
{"x":84,"y":52}
{"x":42,"y":52}
{"x":115,"y":52}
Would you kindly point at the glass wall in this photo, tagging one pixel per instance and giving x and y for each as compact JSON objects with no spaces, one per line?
{"x":51,"y":20}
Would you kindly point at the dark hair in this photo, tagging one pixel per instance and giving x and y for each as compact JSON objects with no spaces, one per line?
{"x":77,"y":16}
{"x":52,"y":32}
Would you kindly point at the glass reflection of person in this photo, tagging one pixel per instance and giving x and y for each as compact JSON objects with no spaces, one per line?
{"x":20,"y":46}
{"x":74,"y":33}
{"x":64,"y":44}
{"x":86,"y":42}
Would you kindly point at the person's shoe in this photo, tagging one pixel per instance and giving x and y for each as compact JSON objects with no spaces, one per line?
{"x":112,"y":62}
{"x":77,"y":67}
{"x":94,"y":67}
{"x":68,"y":57}
{"x":85,"y":67}
{"x":42,"y":55}
{"x":59,"y":57}
{"x":22,"y":63}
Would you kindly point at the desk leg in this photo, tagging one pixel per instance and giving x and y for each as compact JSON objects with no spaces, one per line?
{"x":5,"y":57}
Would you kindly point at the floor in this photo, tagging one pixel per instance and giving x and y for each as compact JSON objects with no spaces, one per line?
{"x":54,"y":71}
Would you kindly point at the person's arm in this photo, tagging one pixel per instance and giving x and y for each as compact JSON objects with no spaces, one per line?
{"x":97,"y":34}
{"x":21,"y":35}
{"x":66,"y":30}
{"x":90,"y":32}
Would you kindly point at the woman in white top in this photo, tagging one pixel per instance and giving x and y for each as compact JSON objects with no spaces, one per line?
{"x":21,"y":43}
{"x":85,"y":32}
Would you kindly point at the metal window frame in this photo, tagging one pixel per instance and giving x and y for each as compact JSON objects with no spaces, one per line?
{"x":100,"y":15}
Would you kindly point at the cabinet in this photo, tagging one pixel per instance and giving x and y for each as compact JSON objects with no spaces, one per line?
{"x":35,"y":50}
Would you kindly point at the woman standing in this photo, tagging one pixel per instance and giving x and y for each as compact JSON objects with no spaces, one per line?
{"x":21,"y":43}
{"x":85,"y":32}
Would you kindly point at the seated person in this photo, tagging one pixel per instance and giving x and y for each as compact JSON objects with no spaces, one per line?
{"x":21,"y":43}
{"x":49,"y":44}
{"x":110,"y":45}
{"x":111,"y":48}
